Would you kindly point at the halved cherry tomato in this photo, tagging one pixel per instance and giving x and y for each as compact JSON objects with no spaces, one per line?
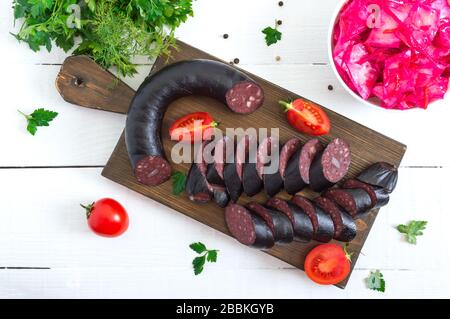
{"x":307,"y":117}
{"x":191,"y":126}
{"x":327,"y":264}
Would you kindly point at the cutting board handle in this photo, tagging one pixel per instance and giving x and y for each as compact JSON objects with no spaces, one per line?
{"x":83,"y":82}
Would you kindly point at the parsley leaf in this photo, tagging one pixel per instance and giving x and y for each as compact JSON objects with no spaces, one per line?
{"x":206,"y":255}
{"x":272,"y":35}
{"x":212,"y":256}
{"x":375,"y":281}
{"x":178,"y":182}
{"x":413,"y":229}
{"x":198,"y":247}
{"x":38,"y":118}
{"x":198,"y":264}
{"x":38,"y":7}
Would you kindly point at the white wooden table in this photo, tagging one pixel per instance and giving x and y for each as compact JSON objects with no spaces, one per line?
{"x":44,"y":178}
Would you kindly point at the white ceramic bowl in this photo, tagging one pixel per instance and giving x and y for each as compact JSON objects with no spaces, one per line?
{"x":372,"y":101}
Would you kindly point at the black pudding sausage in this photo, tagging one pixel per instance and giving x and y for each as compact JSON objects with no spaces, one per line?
{"x":344,"y":225}
{"x":193,"y":77}
{"x":382,"y":175}
{"x":279,"y":223}
{"x":330,"y":166}
{"x":196,"y":186}
{"x":248,"y":228}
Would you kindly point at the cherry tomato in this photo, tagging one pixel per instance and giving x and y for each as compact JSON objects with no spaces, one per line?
{"x":191,"y":126}
{"x":107,"y":217}
{"x":307,"y":117}
{"x":327,"y":264}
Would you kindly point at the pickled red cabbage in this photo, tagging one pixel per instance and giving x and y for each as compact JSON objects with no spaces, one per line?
{"x":402,"y":58}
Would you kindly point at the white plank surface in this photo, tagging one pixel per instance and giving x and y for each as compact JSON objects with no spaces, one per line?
{"x":43,"y":226}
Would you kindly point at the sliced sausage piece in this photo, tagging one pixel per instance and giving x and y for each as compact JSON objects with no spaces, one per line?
{"x":272,"y":181}
{"x":378,"y":195}
{"x":356,"y":184}
{"x":232,"y":182}
{"x":273,"y":184}
{"x":325,"y":229}
{"x":215,"y":171}
{"x":293,"y":182}
{"x":330,"y":166}
{"x":281,"y":206}
{"x":280,"y":225}
{"x":297,"y":173}
{"x":213,"y":176}
{"x":242,"y":154}
{"x":322,"y":223}
{"x":303,"y":227}
{"x":309,"y":153}
{"x":307,"y":206}
{"x":252,"y":183}
{"x":221,"y":197}
{"x":262,"y":156}
{"x":344,"y":225}
{"x":382,"y":175}
{"x":287,"y":151}
{"x":219,"y":192}
{"x":252,"y":179}
{"x":196,"y":186}
{"x":245,"y":97}
{"x":382,"y":197}
{"x":248,"y":228}
{"x":353,"y":201}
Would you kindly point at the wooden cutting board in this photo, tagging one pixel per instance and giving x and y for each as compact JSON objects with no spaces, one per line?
{"x":83,"y":82}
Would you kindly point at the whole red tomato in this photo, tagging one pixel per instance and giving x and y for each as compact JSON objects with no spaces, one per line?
{"x":107,"y":217}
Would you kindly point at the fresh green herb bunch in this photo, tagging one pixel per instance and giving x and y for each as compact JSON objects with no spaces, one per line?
{"x":110,"y":31}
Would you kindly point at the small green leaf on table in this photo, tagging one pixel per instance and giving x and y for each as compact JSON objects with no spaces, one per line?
{"x":272,"y":35}
{"x":412,"y":230}
{"x":38,"y":118}
{"x":375,"y":281}
{"x":207,"y":255}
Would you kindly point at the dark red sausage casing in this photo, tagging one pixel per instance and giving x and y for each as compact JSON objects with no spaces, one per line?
{"x":378,"y":195}
{"x":279,"y":223}
{"x":197,"y":181}
{"x":281,"y":206}
{"x":252,"y":179}
{"x":287,"y":151}
{"x":196,"y":186}
{"x":272,"y":182}
{"x":330,"y":166}
{"x":303,"y":229}
{"x":307,"y":206}
{"x":215,"y":170}
{"x":322,"y":222}
{"x":344,"y":225}
{"x":232,"y":182}
{"x":382,"y":175}
{"x":248,"y":228}
{"x":297,"y":172}
{"x":354,"y":201}
{"x":355,"y":184}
